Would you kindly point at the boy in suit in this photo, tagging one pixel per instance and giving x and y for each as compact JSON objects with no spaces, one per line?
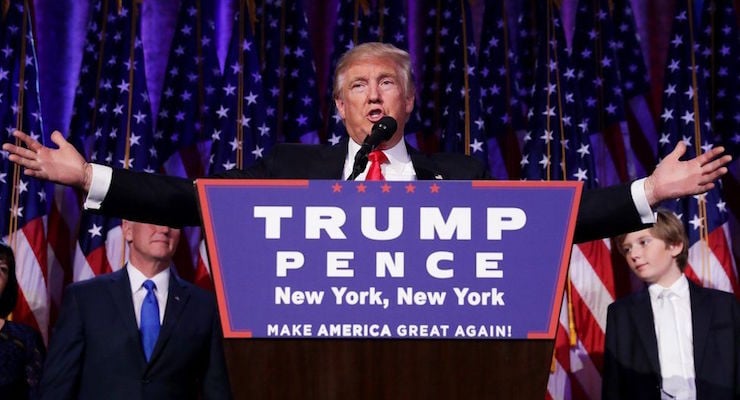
{"x":138,"y":333}
{"x":675,"y":339}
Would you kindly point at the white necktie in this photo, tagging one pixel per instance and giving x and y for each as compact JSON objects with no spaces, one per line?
{"x":671,"y":367}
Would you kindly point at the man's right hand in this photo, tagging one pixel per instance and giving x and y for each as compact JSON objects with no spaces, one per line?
{"x":64,"y":165}
{"x":674,"y":178}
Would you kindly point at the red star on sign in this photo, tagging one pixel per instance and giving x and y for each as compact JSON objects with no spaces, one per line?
{"x":386,"y":188}
{"x":361,"y":188}
{"x":410,"y":188}
{"x":336,"y":188}
{"x":434,"y":188}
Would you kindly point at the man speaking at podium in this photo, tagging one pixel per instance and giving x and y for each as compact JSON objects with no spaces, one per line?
{"x":373,"y":81}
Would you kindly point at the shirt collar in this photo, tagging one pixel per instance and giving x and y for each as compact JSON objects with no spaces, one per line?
{"x":680,"y":287}
{"x":397,"y":155}
{"x":136,"y":278}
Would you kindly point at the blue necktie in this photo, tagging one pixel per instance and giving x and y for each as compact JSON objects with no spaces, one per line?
{"x":149,"y":319}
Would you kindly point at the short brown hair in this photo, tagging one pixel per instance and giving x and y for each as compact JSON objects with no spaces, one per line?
{"x":669,"y":229}
{"x":376,"y":50}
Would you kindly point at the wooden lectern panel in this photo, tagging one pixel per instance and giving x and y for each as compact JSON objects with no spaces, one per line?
{"x":388,"y":369}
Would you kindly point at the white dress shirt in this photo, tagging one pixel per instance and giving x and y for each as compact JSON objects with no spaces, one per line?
{"x":138,"y":292}
{"x":674,"y":331}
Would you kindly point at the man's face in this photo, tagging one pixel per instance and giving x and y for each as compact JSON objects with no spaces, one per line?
{"x":150,"y":243}
{"x":370,"y":90}
{"x":650,"y":258}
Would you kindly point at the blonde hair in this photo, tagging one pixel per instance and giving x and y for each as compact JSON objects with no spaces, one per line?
{"x":375,"y":50}
{"x":669,"y":229}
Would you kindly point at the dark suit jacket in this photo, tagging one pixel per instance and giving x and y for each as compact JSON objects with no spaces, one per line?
{"x":172,"y":201}
{"x":631,"y":366}
{"x":95,"y":351}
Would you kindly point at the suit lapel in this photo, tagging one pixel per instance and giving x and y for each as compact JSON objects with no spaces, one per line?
{"x":642,"y":317}
{"x":176,"y":299}
{"x":425,"y":168}
{"x":120,"y":291}
{"x":333,"y":158}
{"x":700,"y":322}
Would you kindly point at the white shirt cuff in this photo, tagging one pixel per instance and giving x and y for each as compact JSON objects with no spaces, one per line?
{"x":99,"y":185}
{"x":641,"y":202}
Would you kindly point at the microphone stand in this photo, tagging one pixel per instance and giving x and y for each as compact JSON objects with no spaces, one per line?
{"x":360,"y":161}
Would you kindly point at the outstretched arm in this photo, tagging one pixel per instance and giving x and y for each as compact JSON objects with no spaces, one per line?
{"x":63,"y":165}
{"x":674,"y":178}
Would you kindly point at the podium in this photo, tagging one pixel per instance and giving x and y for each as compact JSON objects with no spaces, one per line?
{"x":388,"y":369}
{"x":388,"y":290}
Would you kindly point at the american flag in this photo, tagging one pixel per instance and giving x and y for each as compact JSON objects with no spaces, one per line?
{"x":555,"y":119}
{"x":600,"y":89}
{"x":240,"y":130}
{"x":641,"y":147}
{"x":65,"y":215}
{"x":288,"y":71}
{"x":191,"y":83}
{"x":721,"y":31}
{"x":686,"y":117}
{"x":626,"y":43}
{"x":84,"y":112}
{"x":558,"y":147}
{"x":242,"y":126}
{"x":722,"y":53}
{"x":451,"y":109}
{"x":190,"y":87}
{"x":499,"y":70}
{"x":23,"y":200}
{"x":361,"y":21}
{"x":525,"y":34}
{"x":121,"y":135}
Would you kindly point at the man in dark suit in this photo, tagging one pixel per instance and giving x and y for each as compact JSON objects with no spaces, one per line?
{"x":98,"y":351}
{"x":373,"y":80}
{"x":674,"y":339}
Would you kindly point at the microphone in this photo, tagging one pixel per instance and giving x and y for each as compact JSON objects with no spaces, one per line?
{"x":381,"y":131}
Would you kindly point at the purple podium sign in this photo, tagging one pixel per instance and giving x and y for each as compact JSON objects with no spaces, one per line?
{"x":422,"y":259}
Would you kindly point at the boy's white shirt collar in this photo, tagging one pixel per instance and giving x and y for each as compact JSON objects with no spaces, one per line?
{"x":679,"y":287}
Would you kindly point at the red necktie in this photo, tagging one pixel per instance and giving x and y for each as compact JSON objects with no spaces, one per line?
{"x":376,"y":157}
